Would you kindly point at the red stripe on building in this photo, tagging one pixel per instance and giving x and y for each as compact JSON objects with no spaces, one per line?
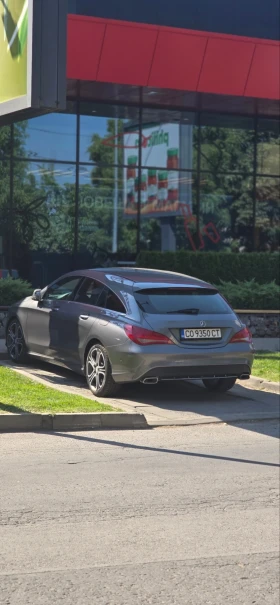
{"x":104,"y":50}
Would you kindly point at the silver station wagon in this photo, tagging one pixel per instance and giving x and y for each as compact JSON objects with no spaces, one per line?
{"x":128,"y":325}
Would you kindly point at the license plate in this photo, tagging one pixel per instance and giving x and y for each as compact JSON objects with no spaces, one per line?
{"x":201,"y":333}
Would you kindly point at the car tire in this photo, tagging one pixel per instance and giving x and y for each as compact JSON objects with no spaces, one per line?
{"x":220,"y":385}
{"x":15,"y":342}
{"x":99,"y":372}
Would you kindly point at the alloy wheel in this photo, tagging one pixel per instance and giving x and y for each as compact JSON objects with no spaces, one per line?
{"x":15,"y":341}
{"x":96,"y":369}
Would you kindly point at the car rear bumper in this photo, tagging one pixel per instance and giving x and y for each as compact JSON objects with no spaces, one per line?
{"x":241,"y":371}
{"x":139,"y":363}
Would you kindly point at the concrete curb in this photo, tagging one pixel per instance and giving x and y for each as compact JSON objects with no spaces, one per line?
{"x":261,"y":384}
{"x":231,"y":419}
{"x":71,"y":422}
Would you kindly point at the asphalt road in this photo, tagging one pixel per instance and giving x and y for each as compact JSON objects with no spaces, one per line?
{"x":175,"y":516}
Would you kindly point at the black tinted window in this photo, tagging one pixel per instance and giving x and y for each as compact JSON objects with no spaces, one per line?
{"x":90,"y":292}
{"x":94,"y":293}
{"x":109,"y":300}
{"x":189,"y":301}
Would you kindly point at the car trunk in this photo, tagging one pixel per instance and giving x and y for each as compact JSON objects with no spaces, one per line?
{"x":194,"y":316}
{"x":176,"y":324}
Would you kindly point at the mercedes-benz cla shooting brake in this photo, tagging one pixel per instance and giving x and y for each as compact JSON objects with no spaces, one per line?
{"x":128,"y":325}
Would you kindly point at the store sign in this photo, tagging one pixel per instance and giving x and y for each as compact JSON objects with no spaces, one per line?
{"x":32,"y":55}
{"x":15,"y":54}
{"x":163,"y":189}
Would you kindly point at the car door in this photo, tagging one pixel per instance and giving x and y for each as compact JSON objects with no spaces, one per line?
{"x":74,"y":321}
{"x":43,"y":331}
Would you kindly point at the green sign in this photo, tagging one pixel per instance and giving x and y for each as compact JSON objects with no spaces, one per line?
{"x":14,"y":59}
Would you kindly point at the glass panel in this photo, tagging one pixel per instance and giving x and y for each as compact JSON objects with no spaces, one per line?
{"x":89,"y":292}
{"x":268,"y":158}
{"x":227,"y":144}
{"x":52,"y":137}
{"x":188,"y":301}
{"x":168,"y":139}
{"x":226,"y":213}
{"x":104,"y":228}
{"x":4,"y":211}
{"x":108,"y":92}
{"x":43,"y":220}
{"x":168,"y":210}
{"x":5,"y":142}
{"x":170,"y":98}
{"x":111,"y":301}
{"x":4,"y":187}
{"x":105,"y":131}
{"x":5,"y":152}
{"x":62,"y":289}
{"x":268,"y":214}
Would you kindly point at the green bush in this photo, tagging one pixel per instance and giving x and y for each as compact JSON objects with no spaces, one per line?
{"x":13,"y":290}
{"x":251,"y":295}
{"x":215,"y":267}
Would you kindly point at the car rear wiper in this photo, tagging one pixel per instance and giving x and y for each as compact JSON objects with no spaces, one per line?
{"x":184,"y":311}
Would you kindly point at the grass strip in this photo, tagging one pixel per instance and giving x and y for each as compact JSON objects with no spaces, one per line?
{"x":267,"y":365}
{"x":19,"y":394}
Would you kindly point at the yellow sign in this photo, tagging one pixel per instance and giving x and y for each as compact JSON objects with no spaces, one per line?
{"x":13,"y":50}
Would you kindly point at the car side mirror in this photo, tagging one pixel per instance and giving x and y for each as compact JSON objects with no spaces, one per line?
{"x":37,"y":295}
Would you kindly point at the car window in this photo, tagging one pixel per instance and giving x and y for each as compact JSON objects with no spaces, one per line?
{"x":92,"y":292}
{"x":89,"y":292}
{"x":113,"y":303}
{"x":192,"y":301}
{"x":62,"y":289}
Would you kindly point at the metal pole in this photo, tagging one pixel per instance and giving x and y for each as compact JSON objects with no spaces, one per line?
{"x":138,"y":240}
{"x":77,"y":183}
{"x":116,"y":192}
{"x":254,"y":211}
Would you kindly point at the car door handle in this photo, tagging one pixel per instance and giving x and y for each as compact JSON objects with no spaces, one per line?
{"x":56,"y":308}
{"x":84,"y":317}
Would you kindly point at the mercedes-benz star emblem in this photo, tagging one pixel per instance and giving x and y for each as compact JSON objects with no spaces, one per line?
{"x":203,"y":324}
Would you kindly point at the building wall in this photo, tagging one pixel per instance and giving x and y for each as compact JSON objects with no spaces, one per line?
{"x":251,"y":18}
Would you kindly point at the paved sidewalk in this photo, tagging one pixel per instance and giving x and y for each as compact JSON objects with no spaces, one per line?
{"x":179,"y":403}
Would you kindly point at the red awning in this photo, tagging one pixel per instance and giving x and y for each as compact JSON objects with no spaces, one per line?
{"x":128,"y":53}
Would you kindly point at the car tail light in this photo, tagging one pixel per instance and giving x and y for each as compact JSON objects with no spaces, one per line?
{"x":140,"y":336}
{"x":242,"y":336}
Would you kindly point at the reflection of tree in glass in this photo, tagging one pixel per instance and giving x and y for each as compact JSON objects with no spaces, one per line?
{"x":27,"y":217}
{"x":268,"y":213}
{"x":43,"y":210}
{"x":226,"y":199}
{"x":96,"y":200}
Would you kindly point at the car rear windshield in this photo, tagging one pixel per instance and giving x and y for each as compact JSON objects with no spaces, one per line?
{"x":189,"y":301}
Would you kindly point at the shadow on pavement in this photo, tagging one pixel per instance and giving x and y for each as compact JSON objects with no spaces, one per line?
{"x":123,"y":444}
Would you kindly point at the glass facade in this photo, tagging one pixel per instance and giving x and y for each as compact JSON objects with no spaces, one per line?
{"x":97,"y":184}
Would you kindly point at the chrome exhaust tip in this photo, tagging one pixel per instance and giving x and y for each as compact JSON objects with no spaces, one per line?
{"x":152,"y":380}
{"x":244,"y":377}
